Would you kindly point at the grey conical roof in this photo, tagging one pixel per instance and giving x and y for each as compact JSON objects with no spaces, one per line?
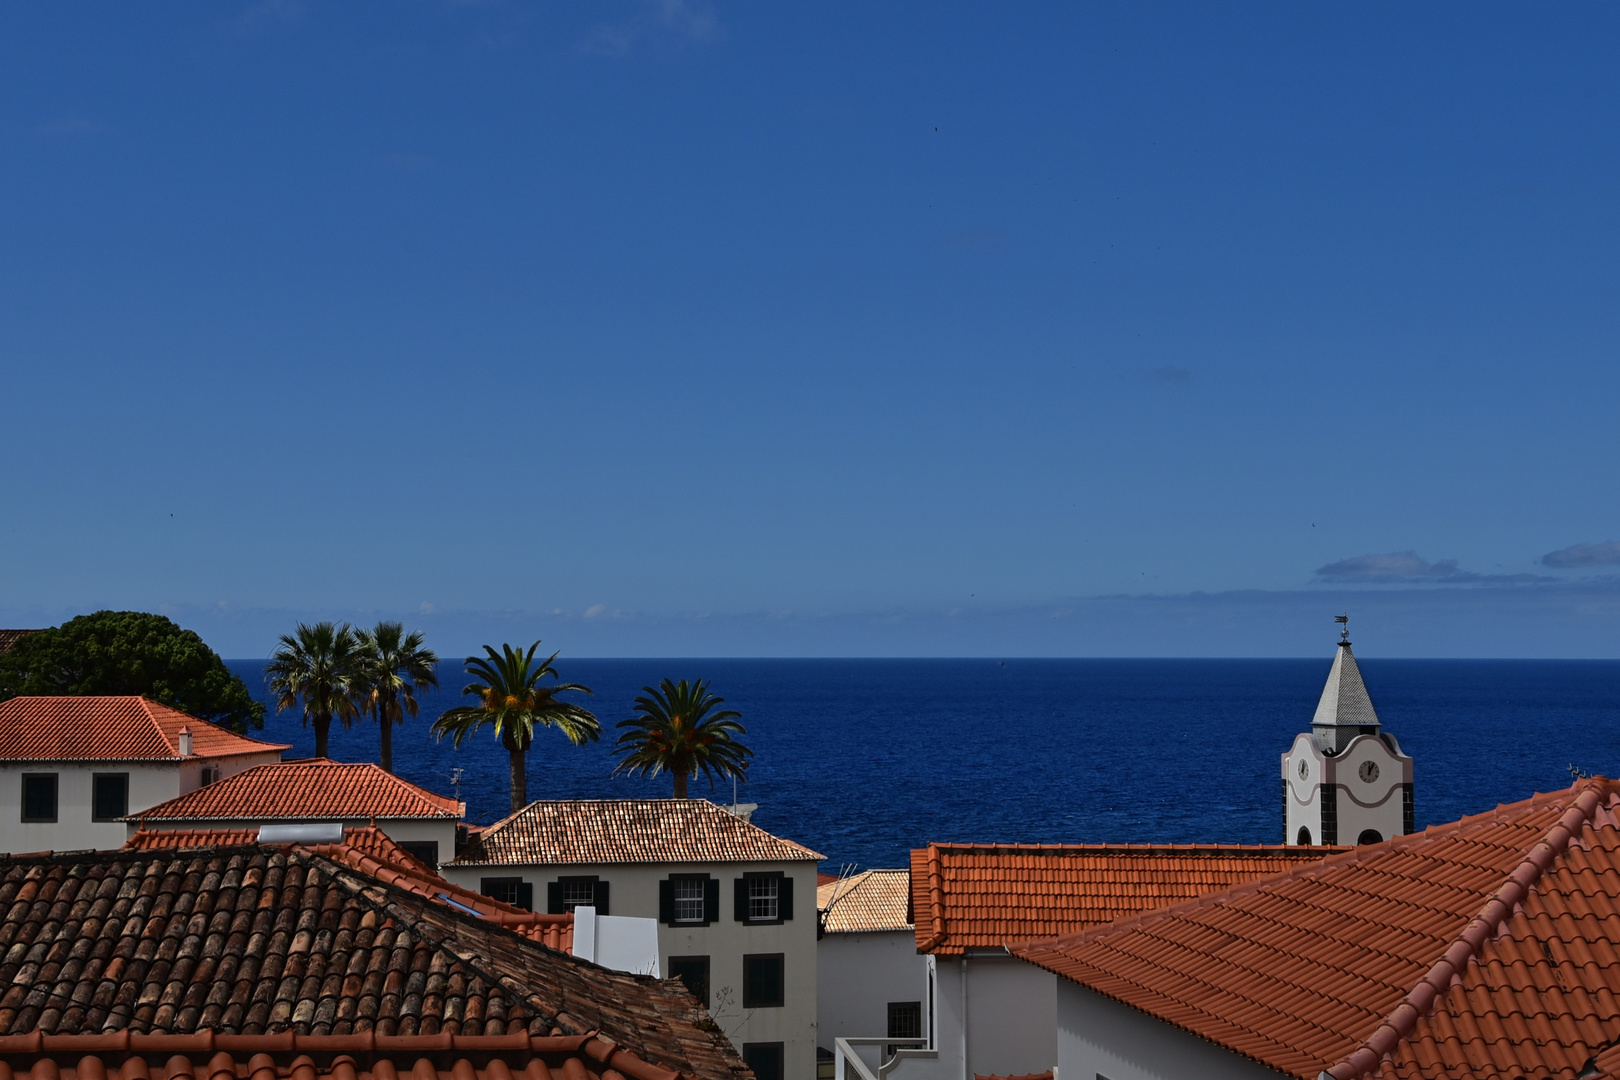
{"x":1344,"y":698}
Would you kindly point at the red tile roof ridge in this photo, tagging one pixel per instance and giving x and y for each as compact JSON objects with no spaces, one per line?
{"x":936,"y":901}
{"x":1111,"y":849}
{"x":1417,"y":1003}
{"x":113,"y":727}
{"x":381,"y":795}
{"x":1308,"y":869}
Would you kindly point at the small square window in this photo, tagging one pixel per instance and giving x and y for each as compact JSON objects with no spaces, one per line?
{"x":426,"y":852}
{"x":109,"y":796}
{"x":504,"y":889}
{"x":765,"y":1059}
{"x":694,"y":972}
{"x":905,"y":1022}
{"x":762,"y":981}
{"x":577,"y":892}
{"x":764,"y":892}
{"x":689,"y":899}
{"x":39,"y":797}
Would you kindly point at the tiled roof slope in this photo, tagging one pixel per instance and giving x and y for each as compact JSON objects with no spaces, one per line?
{"x":206,"y":1056}
{"x":9,"y":638}
{"x":873,"y":900}
{"x":628,"y":831}
{"x":270,"y":940}
{"x":111,"y":729}
{"x":1482,"y":948}
{"x":370,"y":850}
{"x":314,"y":788}
{"x":981,"y":896}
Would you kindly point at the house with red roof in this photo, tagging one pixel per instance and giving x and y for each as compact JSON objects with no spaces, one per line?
{"x":316,"y":791}
{"x":870,"y":979}
{"x":71,"y":768}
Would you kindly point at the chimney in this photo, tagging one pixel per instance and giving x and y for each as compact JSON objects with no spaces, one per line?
{"x":185,"y":742}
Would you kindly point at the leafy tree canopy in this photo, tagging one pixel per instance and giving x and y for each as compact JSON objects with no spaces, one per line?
{"x":130,"y":652}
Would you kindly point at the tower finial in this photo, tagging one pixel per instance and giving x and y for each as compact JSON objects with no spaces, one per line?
{"x":1344,"y":621}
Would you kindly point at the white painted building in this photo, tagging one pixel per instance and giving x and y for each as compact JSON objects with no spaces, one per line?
{"x":315,"y":791}
{"x":1345,"y":781}
{"x":734,"y":904}
{"x":71,"y":768}
{"x":871,"y":980}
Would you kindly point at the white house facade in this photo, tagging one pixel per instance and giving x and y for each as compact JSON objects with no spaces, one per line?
{"x":71,"y":768}
{"x":1346,"y":780}
{"x":734,"y":904}
{"x":871,"y":981}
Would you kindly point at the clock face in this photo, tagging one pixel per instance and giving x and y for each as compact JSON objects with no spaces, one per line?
{"x":1369,"y":771}
{"x":1304,"y":770}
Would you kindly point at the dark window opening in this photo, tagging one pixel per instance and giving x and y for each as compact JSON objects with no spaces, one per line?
{"x":1330,"y":814}
{"x":39,"y":797}
{"x":508,"y":890}
{"x":426,"y":852}
{"x":1304,"y":838}
{"x":762,"y":981}
{"x":765,"y":1059}
{"x":1370,"y":836}
{"x":764,"y":898}
{"x":694,"y":972}
{"x":905,"y":1022}
{"x":109,"y":796}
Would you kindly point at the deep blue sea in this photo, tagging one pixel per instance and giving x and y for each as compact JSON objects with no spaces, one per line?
{"x":863,"y":760}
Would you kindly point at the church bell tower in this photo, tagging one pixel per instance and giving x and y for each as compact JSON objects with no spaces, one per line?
{"x":1345,"y":781}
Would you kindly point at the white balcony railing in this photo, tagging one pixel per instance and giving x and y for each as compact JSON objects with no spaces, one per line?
{"x":848,"y":1060}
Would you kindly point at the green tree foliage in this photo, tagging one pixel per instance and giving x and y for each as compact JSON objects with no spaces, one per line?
{"x":320,"y":666}
{"x":675,"y":730}
{"x":513,"y":701}
{"x":393,"y":666}
{"x":130,"y":652}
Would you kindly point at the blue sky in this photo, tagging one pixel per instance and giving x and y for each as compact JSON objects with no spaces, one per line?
{"x":686,"y":328}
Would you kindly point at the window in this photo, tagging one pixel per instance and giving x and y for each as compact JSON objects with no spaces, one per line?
{"x":688,"y":900}
{"x":905,"y":1022}
{"x":109,"y":796}
{"x":508,"y":890}
{"x":39,"y":796}
{"x":762,"y":981}
{"x":1370,"y":836}
{"x":1304,"y":837}
{"x":426,"y":852}
{"x":764,"y":898}
{"x":566,"y":894}
{"x":694,"y":972}
{"x":765,"y":1059}
{"x":210,"y":775}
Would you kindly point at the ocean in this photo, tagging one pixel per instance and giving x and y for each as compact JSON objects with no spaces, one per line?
{"x":863,"y":760}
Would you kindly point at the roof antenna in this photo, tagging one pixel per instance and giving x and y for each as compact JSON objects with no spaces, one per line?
{"x":1344,"y":621}
{"x":455,"y":781}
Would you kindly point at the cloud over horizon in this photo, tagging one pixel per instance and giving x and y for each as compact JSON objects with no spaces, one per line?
{"x":1579,"y":556}
{"x":1410,"y":568}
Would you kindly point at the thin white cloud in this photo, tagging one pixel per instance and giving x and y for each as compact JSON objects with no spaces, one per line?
{"x":1410,"y":568}
{"x":676,"y":24}
{"x":1580,"y":556}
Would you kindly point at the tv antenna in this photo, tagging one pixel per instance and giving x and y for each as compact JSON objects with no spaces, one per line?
{"x":455,"y":780}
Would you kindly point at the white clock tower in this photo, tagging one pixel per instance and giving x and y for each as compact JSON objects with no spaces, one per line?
{"x":1345,"y":781}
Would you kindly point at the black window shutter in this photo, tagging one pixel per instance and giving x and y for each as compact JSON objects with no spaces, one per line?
{"x":711,"y":900}
{"x":666,"y":902}
{"x":784,"y":898}
{"x":554,"y":900}
{"x":600,"y":895}
{"x":525,"y":896}
{"x":742,"y":899}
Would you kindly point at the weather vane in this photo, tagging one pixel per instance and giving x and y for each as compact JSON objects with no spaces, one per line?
{"x":1344,"y":621}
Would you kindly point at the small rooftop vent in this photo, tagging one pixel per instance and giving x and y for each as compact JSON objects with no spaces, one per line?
{"x":316,"y":832}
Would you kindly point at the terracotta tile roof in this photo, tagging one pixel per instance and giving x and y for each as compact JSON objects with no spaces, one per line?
{"x":981,"y":896}
{"x":208,"y":1056}
{"x":111,"y":729}
{"x":314,"y":788}
{"x":372,"y":851}
{"x":1482,"y":948}
{"x":286,"y":941}
{"x":9,"y":638}
{"x":872,"y":900}
{"x":628,"y":831}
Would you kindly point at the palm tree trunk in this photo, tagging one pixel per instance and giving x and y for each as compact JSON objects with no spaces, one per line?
{"x":680,"y":785}
{"x":385,"y":736}
{"x":323,"y":724}
{"x":520,"y":783}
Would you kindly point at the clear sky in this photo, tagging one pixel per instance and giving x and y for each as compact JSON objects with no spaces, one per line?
{"x":686,"y":328}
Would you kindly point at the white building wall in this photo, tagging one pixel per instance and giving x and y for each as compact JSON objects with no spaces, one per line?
{"x":1100,"y":1039}
{"x":858,"y":975}
{"x":1011,"y":1020}
{"x":633,"y":891}
{"x":1363,"y":800}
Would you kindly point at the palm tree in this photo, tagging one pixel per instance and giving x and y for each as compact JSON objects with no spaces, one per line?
{"x":393,"y":667}
{"x":317,"y":664}
{"x":512,"y":701}
{"x":675,"y":732}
